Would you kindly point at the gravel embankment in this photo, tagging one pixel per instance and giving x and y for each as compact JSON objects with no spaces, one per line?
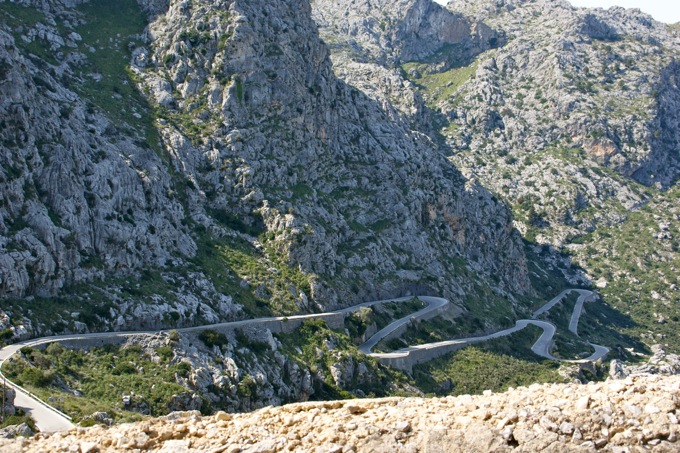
{"x":635,"y":414}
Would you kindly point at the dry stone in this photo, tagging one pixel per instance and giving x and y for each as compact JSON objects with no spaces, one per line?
{"x":412,"y":424}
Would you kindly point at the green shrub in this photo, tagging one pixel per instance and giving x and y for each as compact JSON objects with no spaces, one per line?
{"x":88,"y":422}
{"x":173,"y":336}
{"x":212,"y":338}
{"x":35,"y":377}
{"x":17,"y":419}
{"x":55,"y":349}
{"x":124,"y":368}
{"x":311,"y":326}
{"x":183,"y":369}
{"x":6,"y":334}
{"x":247,"y":388}
{"x":165,"y":353}
{"x":134,"y":350}
{"x":475,"y":369}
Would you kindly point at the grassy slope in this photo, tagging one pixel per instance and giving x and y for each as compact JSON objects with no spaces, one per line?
{"x":315,"y":346}
{"x":641,"y":270}
{"x":83,"y":382}
{"x":495,"y":365}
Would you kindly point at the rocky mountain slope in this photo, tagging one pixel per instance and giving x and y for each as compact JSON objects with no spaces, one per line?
{"x":587,"y":147}
{"x":212,"y":165}
{"x":568,"y":114}
{"x":369,"y":39}
{"x":176,"y":163}
{"x":640,"y":412}
{"x":600,"y":83}
{"x":582,"y":130}
{"x":169,"y":163}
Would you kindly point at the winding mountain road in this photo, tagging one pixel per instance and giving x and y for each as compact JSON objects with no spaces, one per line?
{"x":433,"y":303}
{"x":540,"y":347}
{"x":49,"y":419}
{"x":46,"y":417}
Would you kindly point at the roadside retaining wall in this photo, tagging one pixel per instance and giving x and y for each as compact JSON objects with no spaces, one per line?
{"x":87,"y":343}
{"x":408,"y":359}
{"x":286,"y":325}
{"x":333,"y":320}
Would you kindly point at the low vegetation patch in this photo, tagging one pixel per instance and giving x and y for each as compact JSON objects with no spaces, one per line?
{"x":212,"y":338}
{"x":493,"y":365}
{"x":638,"y":260}
{"x":17,"y":419}
{"x":431,"y":331}
{"x":439,"y":87}
{"x":80,"y":382}
{"x":260,"y":279}
{"x":321,"y":349}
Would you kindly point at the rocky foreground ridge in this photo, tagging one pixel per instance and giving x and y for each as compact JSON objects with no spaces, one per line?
{"x":634,"y":414}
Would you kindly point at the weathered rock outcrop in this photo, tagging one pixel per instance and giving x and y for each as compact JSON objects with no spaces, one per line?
{"x":369,"y":39}
{"x":8,"y":398}
{"x":402,"y":30}
{"x":660,"y":363}
{"x":563,"y":78}
{"x":320,"y":161}
{"x":603,"y":82}
{"x":638,"y":413}
{"x":14,"y":431}
{"x":75,"y":188}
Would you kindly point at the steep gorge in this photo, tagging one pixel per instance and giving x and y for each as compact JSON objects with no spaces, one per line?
{"x":567,"y":114}
{"x":228,"y":171}
{"x":173,"y":163}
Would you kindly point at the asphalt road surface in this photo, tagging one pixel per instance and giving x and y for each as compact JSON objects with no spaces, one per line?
{"x":541,"y":347}
{"x":49,"y":419}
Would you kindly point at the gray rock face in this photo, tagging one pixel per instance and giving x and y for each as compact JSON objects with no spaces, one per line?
{"x":563,"y":79}
{"x":661,"y":163}
{"x":351,"y":163}
{"x":601,"y":92}
{"x":596,"y":28}
{"x":389,"y":31}
{"x":74,"y":188}
{"x":12,"y":431}
{"x":368,"y":40}
{"x":572,"y":119}
{"x":254,"y":369}
{"x":8,"y":399}
{"x":254,"y":125}
{"x":660,"y":363}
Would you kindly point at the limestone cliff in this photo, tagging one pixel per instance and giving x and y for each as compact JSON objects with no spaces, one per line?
{"x":401,"y":30}
{"x":604,"y":78}
{"x":217,"y":151}
{"x":568,"y":115}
